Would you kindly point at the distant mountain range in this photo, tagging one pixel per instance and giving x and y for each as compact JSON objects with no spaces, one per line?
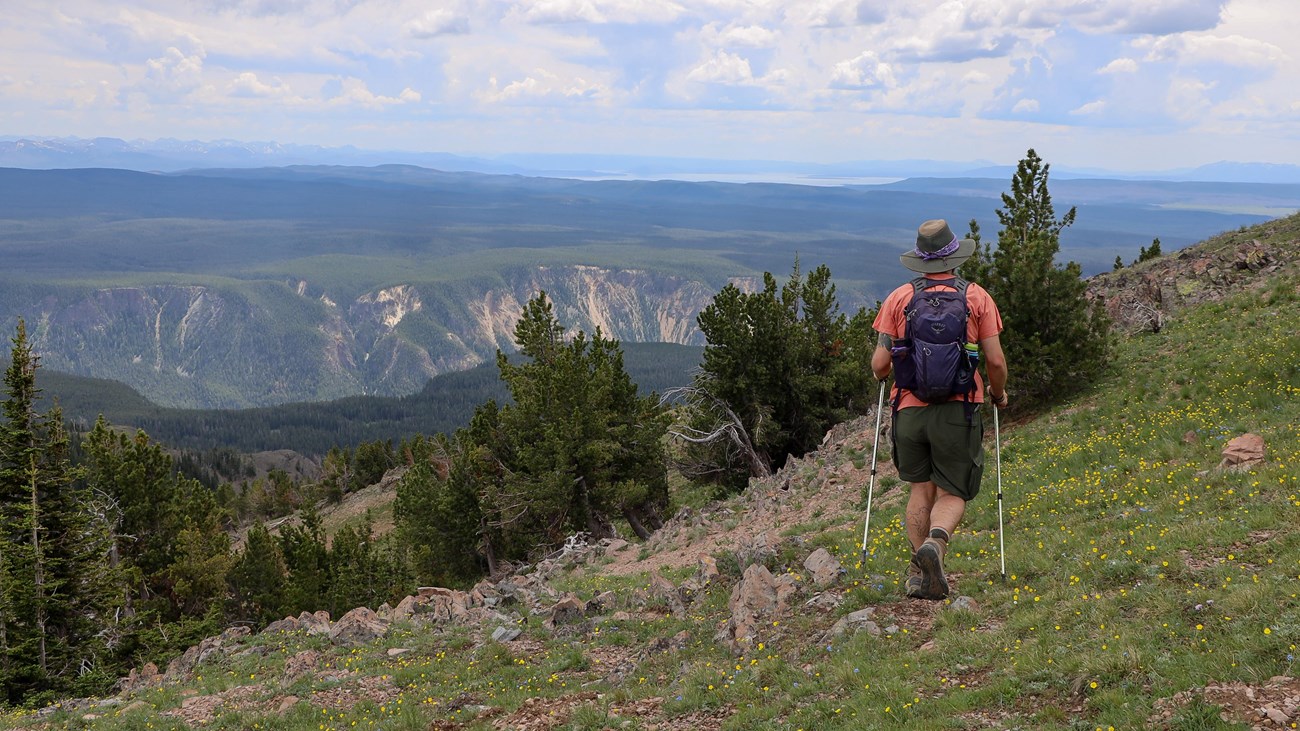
{"x":241,"y":287}
{"x":172,"y":155}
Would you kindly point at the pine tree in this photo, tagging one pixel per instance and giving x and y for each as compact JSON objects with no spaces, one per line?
{"x":19,"y":453}
{"x":306,"y":562}
{"x":257,"y":578}
{"x":49,"y":560}
{"x":577,"y":448}
{"x":1146,"y":254}
{"x":1055,"y":341}
{"x":350,"y":578}
{"x":201,"y":557}
{"x":336,"y":474}
{"x":437,"y":515}
{"x":137,"y":478}
{"x":782,"y":365}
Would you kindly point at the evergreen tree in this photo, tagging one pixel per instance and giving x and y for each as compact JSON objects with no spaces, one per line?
{"x":351,"y":580}
{"x":18,"y":452}
{"x":201,"y":556}
{"x":138,"y":479}
{"x":1055,"y":341}
{"x":369,"y":463}
{"x":1146,"y":254}
{"x":781,"y":366}
{"x":257,"y":578}
{"x":306,"y":562}
{"x":336,"y":474}
{"x":49,"y":560}
{"x":584,"y":447}
{"x":438,"y":518}
{"x":576,"y":449}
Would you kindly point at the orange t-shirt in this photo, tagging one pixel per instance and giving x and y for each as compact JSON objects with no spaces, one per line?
{"x":984,"y":322}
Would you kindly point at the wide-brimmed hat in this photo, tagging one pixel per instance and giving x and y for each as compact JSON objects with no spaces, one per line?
{"x":937,"y":249}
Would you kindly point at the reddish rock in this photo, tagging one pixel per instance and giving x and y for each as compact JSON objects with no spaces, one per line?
{"x":1245,"y":450}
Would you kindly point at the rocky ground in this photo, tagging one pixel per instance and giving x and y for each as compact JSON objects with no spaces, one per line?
{"x":824,"y":489}
{"x":1142,"y":297}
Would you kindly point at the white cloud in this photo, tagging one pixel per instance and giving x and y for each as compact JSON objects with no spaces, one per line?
{"x":1037,"y":67}
{"x":1188,"y":98}
{"x":836,"y":13}
{"x":541,"y":85}
{"x":596,"y":11}
{"x":1232,"y":50}
{"x":354,"y":92}
{"x":1092,"y":108}
{"x":750,"y":36}
{"x":723,"y":68}
{"x":248,"y":85}
{"x":559,"y":11}
{"x":955,"y":47}
{"x":1119,"y":66}
{"x":434,"y":23}
{"x":85,"y":95}
{"x":866,"y":71}
{"x":173,"y":75}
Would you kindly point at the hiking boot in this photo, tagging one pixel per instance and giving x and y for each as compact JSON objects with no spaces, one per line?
{"x":929,"y":560}
{"x":912,"y":586}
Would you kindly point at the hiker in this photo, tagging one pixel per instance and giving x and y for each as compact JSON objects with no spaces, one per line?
{"x":937,"y":428}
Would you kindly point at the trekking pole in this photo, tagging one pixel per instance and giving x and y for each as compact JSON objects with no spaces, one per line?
{"x":866,"y":526}
{"x":997,"y":444}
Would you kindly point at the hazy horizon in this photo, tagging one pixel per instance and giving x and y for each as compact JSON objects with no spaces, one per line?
{"x":176,"y":155}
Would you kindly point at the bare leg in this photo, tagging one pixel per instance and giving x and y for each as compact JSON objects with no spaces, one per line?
{"x":928,"y":507}
{"x":947,"y":511}
{"x":920,"y":504}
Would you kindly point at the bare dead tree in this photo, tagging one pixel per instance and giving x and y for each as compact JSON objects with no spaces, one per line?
{"x":1143,"y":317}
{"x":726,"y":431}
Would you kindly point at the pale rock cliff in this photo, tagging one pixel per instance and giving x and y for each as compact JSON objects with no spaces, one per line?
{"x":258,"y":343}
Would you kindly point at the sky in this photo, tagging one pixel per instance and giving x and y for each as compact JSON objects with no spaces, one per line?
{"x":1115,"y":84}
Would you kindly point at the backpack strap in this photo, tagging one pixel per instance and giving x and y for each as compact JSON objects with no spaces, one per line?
{"x":923,"y":282}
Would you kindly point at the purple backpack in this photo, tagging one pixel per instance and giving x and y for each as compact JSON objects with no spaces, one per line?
{"x":932,"y":360}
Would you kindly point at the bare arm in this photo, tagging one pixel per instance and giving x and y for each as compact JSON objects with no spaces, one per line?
{"x":881,"y":361}
{"x":996,"y":362}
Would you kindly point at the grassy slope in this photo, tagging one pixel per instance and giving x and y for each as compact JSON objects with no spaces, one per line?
{"x":1137,"y":570}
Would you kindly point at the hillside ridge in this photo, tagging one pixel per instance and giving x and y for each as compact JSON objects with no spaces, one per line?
{"x":1151,"y":582}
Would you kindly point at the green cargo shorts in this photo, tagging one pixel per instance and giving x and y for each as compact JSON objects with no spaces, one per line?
{"x":938,"y":443}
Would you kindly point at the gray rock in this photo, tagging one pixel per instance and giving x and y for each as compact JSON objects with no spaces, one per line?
{"x":859,"y":621}
{"x":506,"y":634}
{"x":823,"y":568}
{"x":966,"y":603}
